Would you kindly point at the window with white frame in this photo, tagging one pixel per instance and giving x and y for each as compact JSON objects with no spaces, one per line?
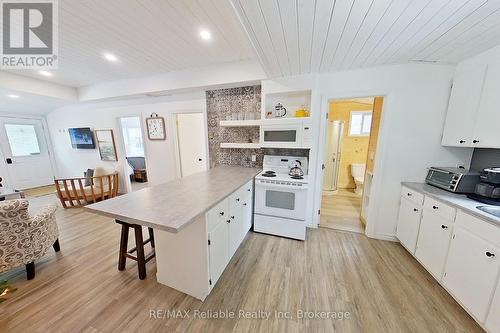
{"x":361,"y":123}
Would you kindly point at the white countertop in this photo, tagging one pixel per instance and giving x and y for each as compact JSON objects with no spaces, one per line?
{"x":173,"y":205}
{"x":459,"y":201}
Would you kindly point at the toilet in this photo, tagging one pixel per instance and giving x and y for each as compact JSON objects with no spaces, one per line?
{"x":358,"y":173}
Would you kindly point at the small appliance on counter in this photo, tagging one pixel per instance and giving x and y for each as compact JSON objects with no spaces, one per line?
{"x":281,"y":197}
{"x":457,"y":180}
{"x":488,"y":190}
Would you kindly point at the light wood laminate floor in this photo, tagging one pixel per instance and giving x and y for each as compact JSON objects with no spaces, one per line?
{"x":341,"y":211}
{"x":378,"y":282}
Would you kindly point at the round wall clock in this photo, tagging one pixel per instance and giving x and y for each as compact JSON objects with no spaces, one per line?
{"x":156,"y":127}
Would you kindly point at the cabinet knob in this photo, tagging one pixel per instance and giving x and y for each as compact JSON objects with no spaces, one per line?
{"x":408,"y":194}
{"x":248,"y":190}
{"x":245,"y":204}
{"x":415,"y":210}
{"x":228,"y":221}
{"x":475,"y":141}
{"x":237,"y":199}
{"x":221,"y":213}
{"x":444,"y":226}
{"x":232,"y":217}
{"x":435,"y":207}
{"x":489,"y":254}
{"x":462,"y":141}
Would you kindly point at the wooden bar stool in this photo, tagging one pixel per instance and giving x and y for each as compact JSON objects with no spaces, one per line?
{"x":141,"y":258}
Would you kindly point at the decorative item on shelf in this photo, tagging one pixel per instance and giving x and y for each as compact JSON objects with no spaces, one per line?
{"x":302,"y":112}
{"x":279,"y":110}
{"x":156,"y":127}
{"x":106,"y":144}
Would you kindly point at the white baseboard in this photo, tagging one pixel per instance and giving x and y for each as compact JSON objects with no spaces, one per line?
{"x":386,"y":237}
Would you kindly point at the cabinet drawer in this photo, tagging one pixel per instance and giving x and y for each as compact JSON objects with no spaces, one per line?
{"x":217,"y":214}
{"x":445,"y":211}
{"x":412,"y":195}
{"x":483,"y":229}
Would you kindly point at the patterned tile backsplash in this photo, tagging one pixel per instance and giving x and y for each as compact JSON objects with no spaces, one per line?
{"x":221,"y":104}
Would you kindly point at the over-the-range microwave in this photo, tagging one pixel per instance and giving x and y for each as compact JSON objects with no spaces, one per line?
{"x":283,"y":134}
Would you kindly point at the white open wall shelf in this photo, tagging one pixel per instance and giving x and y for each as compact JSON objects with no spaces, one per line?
{"x":240,"y":145}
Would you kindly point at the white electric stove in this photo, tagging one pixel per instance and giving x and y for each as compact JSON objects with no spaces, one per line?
{"x":280,"y":199}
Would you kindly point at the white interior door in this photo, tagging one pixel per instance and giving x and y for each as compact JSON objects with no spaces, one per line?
{"x":332,"y":154}
{"x":192,"y":140}
{"x":25,"y":153}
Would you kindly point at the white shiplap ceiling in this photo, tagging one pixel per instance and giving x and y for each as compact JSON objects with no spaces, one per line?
{"x":148,"y":36}
{"x":305,"y":36}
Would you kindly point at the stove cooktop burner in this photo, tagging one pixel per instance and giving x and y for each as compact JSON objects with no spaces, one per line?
{"x":296,"y":177}
{"x":270,"y":172}
{"x":268,"y":175}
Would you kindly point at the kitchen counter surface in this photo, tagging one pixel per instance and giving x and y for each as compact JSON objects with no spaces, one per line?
{"x":174,"y":205}
{"x":459,"y":201}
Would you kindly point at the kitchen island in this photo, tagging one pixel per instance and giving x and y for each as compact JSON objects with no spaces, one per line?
{"x":198,"y":221}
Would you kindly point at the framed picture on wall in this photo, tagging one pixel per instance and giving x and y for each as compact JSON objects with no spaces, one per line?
{"x":156,"y":127}
{"x":106,"y":144}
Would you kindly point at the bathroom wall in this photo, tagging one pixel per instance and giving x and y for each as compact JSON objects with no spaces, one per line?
{"x":354,"y":148}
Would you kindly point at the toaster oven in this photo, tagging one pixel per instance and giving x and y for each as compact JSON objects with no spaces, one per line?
{"x":456,"y":180}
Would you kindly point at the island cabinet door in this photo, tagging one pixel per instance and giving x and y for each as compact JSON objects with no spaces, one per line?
{"x":471,"y":271}
{"x":235,"y":221}
{"x":218,"y":251}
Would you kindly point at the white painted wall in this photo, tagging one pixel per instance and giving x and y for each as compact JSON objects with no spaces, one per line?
{"x":160,"y":155}
{"x":410,"y":141}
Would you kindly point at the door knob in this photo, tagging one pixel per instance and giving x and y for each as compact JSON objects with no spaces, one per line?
{"x":8,"y":160}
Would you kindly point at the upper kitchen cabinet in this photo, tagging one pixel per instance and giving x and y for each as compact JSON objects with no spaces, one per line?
{"x":486,"y":133}
{"x":463,"y":108}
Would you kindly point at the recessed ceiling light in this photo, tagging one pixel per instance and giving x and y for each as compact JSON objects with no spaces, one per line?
{"x":205,"y":34}
{"x":45,"y":73}
{"x":13,"y":96}
{"x":110,"y":57}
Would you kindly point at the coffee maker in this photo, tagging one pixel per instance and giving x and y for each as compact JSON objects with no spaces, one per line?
{"x":488,"y":189}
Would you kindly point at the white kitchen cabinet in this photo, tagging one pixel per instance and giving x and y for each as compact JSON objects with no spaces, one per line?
{"x":463,"y":106}
{"x":486,"y":133}
{"x":228,"y":223}
{"x":218,"y":251}
{"x":471,"y":271}
{"x":433,"y":241}
{"x":408,"y":224}
{"x":235,"y":222}
{"x":493,"y":320}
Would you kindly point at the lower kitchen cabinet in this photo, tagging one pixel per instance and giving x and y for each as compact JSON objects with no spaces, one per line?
{"x":433,"y":242}
{"x":408,"y":224}
{"x":218,"y":253}
{"x":228,"y":223}
{"x":493,"y":320}
{"x":471,"y":271}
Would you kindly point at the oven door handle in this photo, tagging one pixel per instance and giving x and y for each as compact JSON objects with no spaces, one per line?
{"x":281,"y":187}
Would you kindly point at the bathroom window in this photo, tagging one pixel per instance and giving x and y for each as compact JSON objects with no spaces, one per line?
{"x":361,"y":123}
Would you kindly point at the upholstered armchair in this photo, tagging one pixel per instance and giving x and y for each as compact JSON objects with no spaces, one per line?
{"x":25,"y":238}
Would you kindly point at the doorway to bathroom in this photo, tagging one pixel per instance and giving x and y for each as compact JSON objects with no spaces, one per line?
{"x":351,"y":137}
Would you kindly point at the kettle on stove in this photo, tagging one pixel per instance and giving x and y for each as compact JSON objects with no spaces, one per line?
{"x":296,"y":171}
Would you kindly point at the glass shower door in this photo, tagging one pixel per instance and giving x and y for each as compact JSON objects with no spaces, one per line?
{"x":334,"y":134}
